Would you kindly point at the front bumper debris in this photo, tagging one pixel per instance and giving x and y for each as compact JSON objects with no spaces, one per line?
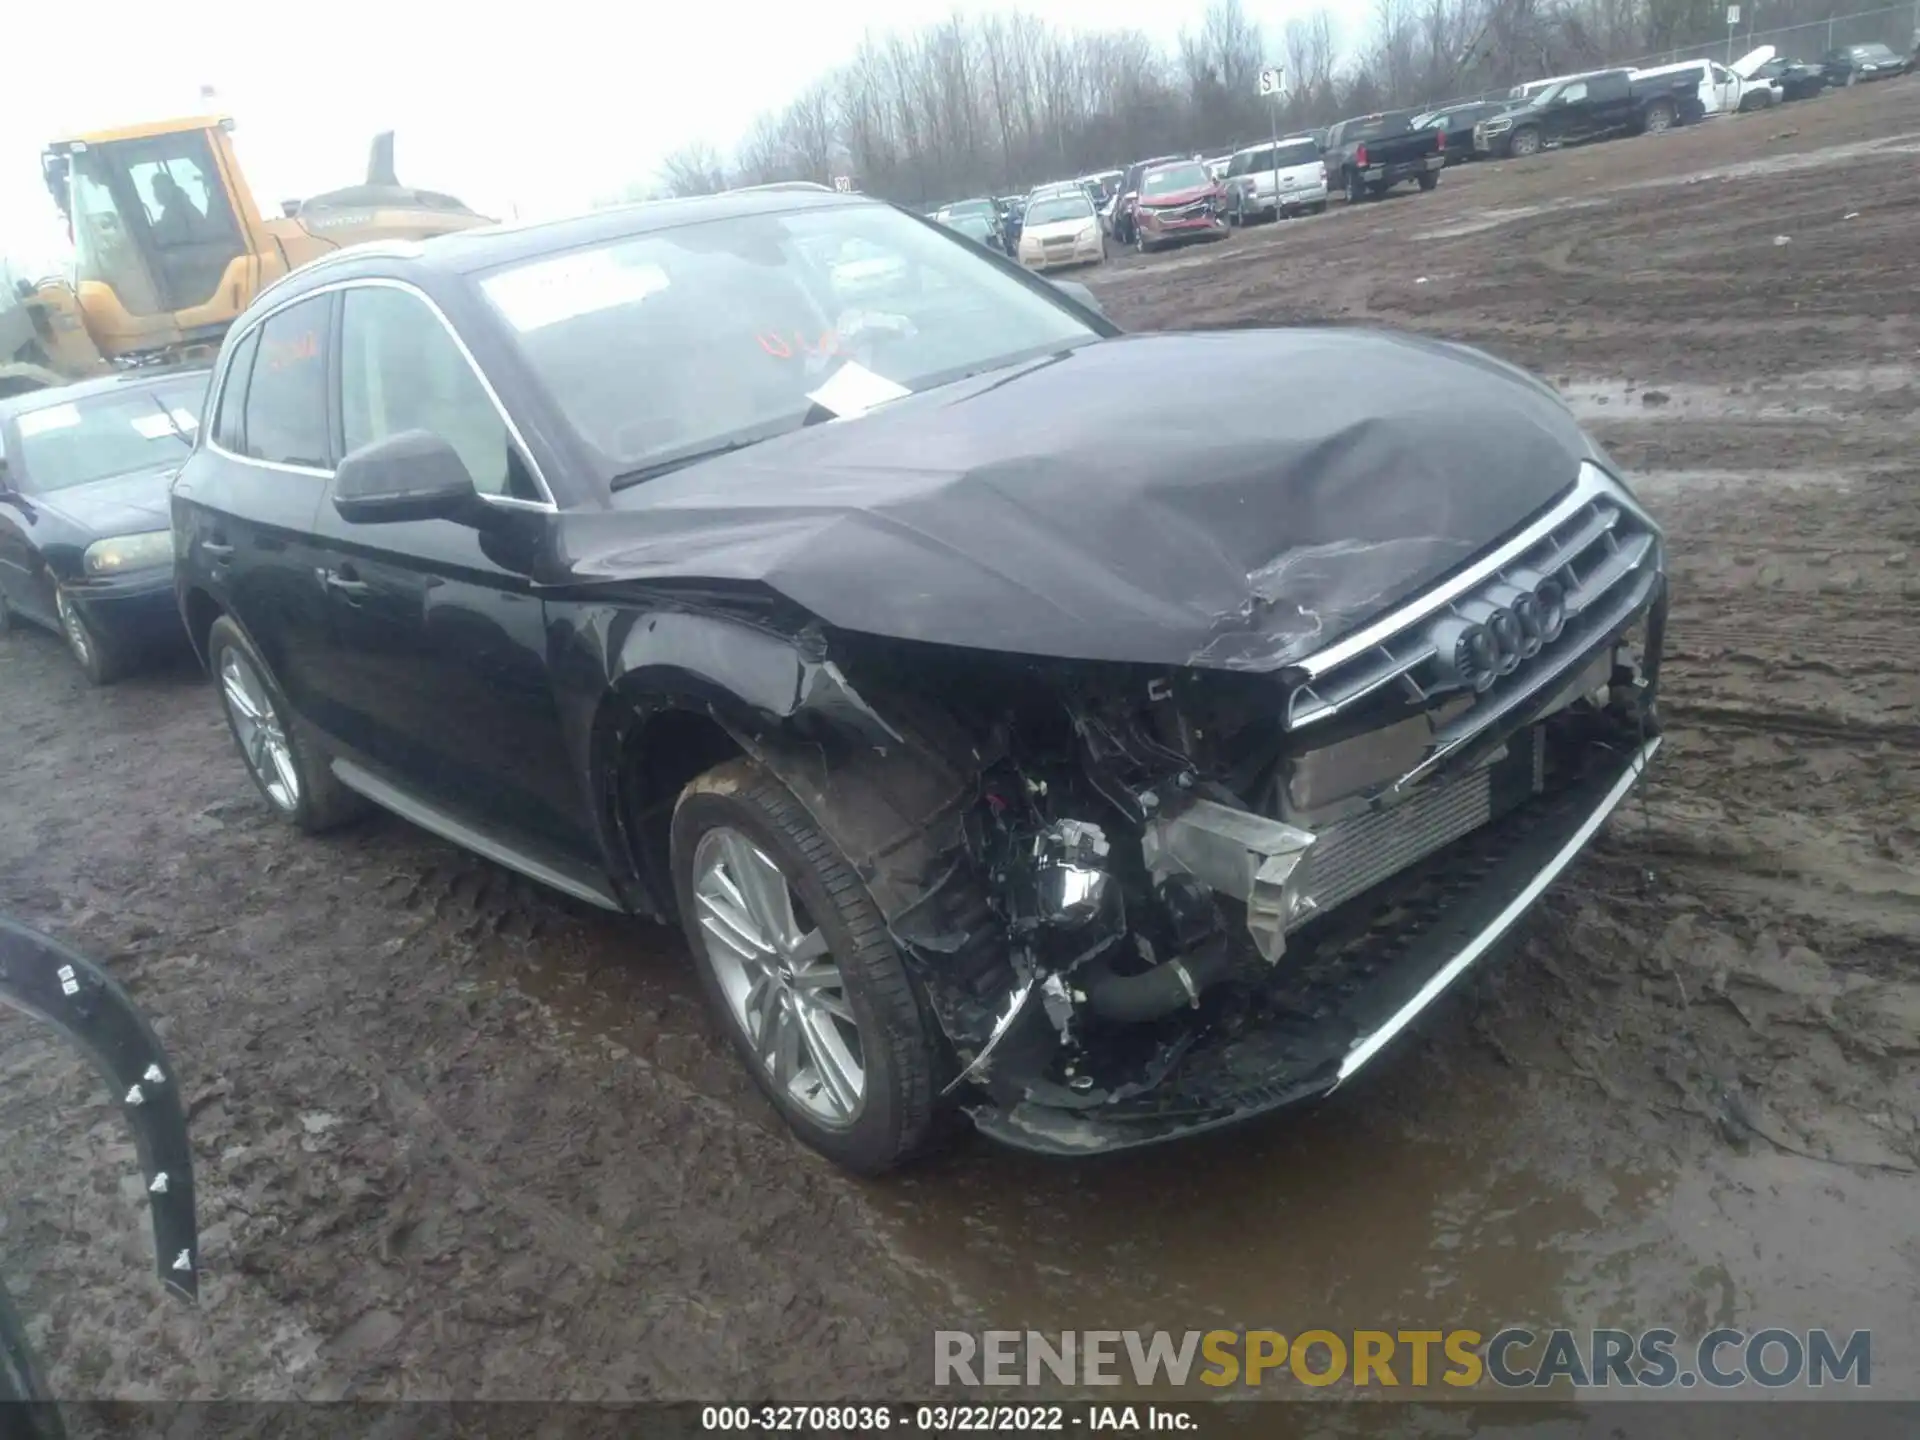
{"x":1347,"y":985}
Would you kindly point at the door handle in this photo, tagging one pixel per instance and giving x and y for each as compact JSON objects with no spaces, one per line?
{"x":218,"y":550}
{"x":345,"y":582}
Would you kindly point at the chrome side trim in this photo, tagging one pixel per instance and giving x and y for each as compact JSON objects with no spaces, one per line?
{"x":547,"y":506}
{"x":1593,"y":483}
{"x":1370,"y":1045}
{"x":431,"y":818}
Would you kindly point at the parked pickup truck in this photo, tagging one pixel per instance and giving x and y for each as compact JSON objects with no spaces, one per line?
{"x":1591,"y":107}
{"x":1370,"y":154}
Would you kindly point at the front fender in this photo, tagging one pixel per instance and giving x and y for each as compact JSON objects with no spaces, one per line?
{"x":50,"y":982}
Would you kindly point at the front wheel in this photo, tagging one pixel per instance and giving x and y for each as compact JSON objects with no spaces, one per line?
{"x":99,"y":658}
{"x":797,"y":962}
{"x":1140,"y":244}
{"x":1525,"y":142}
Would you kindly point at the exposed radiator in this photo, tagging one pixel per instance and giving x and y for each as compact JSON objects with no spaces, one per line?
{"x":1354,"y":855}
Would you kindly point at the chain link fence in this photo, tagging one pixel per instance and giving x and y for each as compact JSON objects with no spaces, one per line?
{"x":1897,"y":26}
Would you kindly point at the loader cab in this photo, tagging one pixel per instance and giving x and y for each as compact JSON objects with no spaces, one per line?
{"x":164,"y":241}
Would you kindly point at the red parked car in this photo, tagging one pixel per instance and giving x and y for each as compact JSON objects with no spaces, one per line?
{"x":1178,"y":202}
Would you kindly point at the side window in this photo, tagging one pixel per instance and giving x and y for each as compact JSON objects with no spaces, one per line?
{"x":1573,"y":94}
{"x":286,"y":407}
{"x":401,"y":370}
{"x":228,"y":432}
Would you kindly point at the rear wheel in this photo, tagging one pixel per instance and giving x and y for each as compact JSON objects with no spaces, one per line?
{"x":1356,"y":188}
{"x":288,"y":768}
{"x":798,"y":964}
{"x":1659,"y":117}
{"x":1429,"y":179}
{"x":100,"y":659}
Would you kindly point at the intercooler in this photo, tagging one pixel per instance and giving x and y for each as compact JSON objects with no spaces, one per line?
{"x":1354,"y":855}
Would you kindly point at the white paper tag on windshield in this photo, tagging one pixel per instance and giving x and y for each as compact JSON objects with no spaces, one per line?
{"x":157,"y":426}
{"x":569,"y":286}
{"x":853,"y":390}
{"x":54,"y":417}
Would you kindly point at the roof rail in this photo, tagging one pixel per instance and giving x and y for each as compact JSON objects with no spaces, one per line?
{"x":782,"y":185}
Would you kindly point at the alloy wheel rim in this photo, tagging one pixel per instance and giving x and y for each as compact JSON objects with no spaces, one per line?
{"x":257,"y":726}
{"x":782,"y":985}
{"x":74,"y":628}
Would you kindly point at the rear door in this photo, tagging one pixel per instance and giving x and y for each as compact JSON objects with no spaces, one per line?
{"x":245,"y":503}
{"x":441,"y":648}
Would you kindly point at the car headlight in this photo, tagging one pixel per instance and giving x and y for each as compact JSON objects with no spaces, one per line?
{"x":130,"y":552}
{"x":1089,"y":234}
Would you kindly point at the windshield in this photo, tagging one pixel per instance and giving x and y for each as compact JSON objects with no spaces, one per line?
{"x":668,"y":345}
{"x":1870,"y":52}
{"x":1169,"y":178}
{"x":967,"y":209}
{"x":1052,"y":209}
{"x":116,"y":433}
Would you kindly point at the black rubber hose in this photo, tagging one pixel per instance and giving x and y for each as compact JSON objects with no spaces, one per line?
{"x":1137,"y":999}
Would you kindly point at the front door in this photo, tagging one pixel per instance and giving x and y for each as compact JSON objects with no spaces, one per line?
{"x":440,"y":653}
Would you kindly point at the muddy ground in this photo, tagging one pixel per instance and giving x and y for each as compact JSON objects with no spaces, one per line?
{"x":458,"y":1137}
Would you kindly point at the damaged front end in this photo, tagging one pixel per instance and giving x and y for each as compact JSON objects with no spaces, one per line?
{"x":1163,"y":900}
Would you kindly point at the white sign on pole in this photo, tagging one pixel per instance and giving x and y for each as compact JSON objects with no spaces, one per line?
{"x":843,"y":183}
{"x":1733,"y":15}
{"x":1270,"y":80}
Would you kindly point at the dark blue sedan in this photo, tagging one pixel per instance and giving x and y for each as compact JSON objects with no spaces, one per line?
{"x":85,"y":548}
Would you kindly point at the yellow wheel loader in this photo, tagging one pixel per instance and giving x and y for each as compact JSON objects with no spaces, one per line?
{"x":169,"y":247}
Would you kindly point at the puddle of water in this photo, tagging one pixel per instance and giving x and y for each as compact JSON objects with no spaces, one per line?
{"x":1658,"y":484}
{"x":1494,"y":219}
{"x":1786,"y":164}
{"x":1627,"y":402}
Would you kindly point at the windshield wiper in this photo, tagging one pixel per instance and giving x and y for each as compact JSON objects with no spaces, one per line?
{"x":679,"y":462}
{"x":172,"y":424}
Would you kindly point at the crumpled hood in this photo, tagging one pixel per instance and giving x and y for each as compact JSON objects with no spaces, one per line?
{"x":1173,"y":199}
{"x":120,"y":504}
{"x":1230,"y":500}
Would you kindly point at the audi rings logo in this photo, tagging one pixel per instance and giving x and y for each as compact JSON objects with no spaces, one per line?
{"x":1489,"y":635}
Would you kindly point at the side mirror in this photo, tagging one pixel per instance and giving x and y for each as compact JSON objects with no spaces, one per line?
{"x":414,"y":475}
{"x":1080,"y":295}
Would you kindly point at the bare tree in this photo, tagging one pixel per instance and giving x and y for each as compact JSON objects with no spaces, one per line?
{"x":993,"y":102}
{"x":694,"y":170}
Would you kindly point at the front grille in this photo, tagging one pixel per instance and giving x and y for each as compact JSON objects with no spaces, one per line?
{"x":1354,"y":855}
{"x":1599,"y":548}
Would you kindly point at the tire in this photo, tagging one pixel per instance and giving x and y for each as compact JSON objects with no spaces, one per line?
{"x":6,"y":616}
{"x":100,"y":659}
{"x":1525,"y":142}
{"x":1140,"y":241}
{"x":1237,"y":215}
{"x":300,"y":788}
{"x":1853,"y":77}
{"x":739,"y":816}
{"x":1319,"y":207}
{"x":1659,"y":118}
{"x":1356,"y":188}
{"x":1428,"y":179}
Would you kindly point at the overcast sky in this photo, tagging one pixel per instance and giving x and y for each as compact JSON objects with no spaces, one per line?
{"x":546,"y":113}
